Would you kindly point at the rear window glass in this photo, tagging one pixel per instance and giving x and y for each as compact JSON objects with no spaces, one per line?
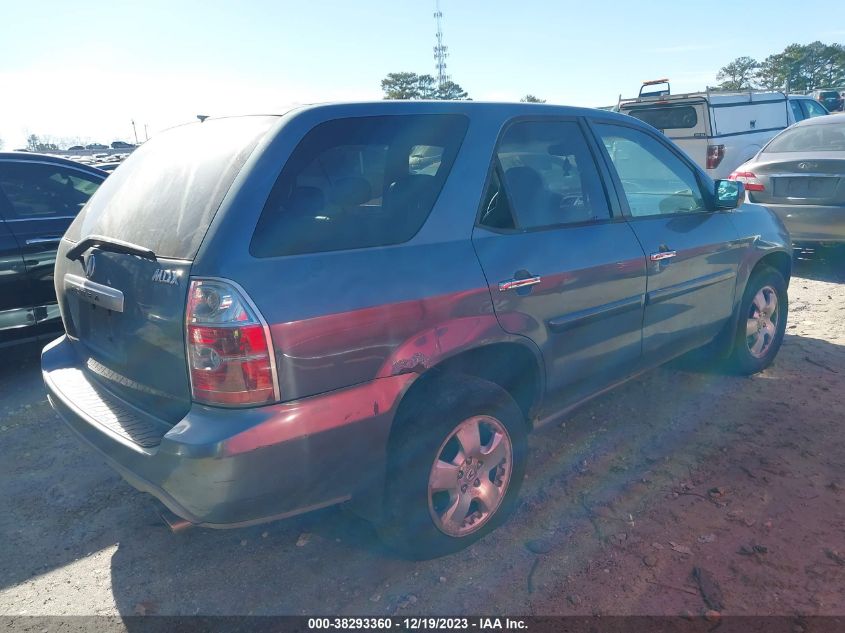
{"x":359,"y":182}
{"x":674,"y":118}
{"x":166,"y":193}
{"x":809,"y":138}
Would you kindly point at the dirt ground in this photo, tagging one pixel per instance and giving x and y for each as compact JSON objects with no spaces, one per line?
{"x":682,"y":491}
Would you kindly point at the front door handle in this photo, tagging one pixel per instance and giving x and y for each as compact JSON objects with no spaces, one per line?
{"x":514,"y":284}
{"x":656,"y":257}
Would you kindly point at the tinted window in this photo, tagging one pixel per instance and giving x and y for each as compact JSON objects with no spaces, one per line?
{"x":655,"y":180}
{"x":678,"y":117}
{"x":36,"y":190}
{"x":359,"y":182}
{"x":797,"y":112}
{"x":829,"y":137}
{"x":550,"y":175}
{"x":166,"y":192}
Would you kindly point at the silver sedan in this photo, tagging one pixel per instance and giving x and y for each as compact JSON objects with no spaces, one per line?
{"x":800,"y":175}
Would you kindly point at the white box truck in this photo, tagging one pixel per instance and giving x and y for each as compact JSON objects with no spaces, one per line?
{"x":719,"y":130}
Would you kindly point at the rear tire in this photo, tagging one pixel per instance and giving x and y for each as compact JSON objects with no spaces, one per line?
{"x":456,"y":461}
{"x":761,"y":323}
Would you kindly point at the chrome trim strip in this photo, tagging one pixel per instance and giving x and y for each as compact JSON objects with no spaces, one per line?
{"x":17,"y":318}
{"x":513,"y":284}
{"x":51,"y":217}
{"x":43,"y":240}
{"x":92,"y":292}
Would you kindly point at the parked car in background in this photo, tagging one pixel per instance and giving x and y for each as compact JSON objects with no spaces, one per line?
{"x":719,"y":130}
{"x":96,"y":146}
{"x":267,"y":315}
{"x":122,"y":145}
{"x":800,"y":175}
{"x":804,"y":107}
{"x":76,"y":148}
{"x":39,"y":198}
{"x":830,"y":99}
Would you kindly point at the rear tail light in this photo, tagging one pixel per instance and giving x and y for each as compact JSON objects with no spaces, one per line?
{"x":749,"y":179}
{"x":230,"y":355}
{"x":715,"y":154}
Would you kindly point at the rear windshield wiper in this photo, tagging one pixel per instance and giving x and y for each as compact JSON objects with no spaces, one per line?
{"x":108,"y":244}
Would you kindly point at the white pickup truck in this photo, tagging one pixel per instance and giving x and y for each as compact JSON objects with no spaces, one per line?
{"x":719,"y":130}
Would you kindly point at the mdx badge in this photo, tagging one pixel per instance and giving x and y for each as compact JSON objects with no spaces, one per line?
{"x":163,"y":276}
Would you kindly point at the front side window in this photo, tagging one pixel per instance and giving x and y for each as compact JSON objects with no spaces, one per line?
{"x":36,"y":190}
{"x":358,"y":182}
{"x":654,"y":179}
{"x":797,"y":112}
{"x":549,"y":176}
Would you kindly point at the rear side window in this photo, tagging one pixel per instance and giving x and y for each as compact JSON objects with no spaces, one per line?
{"x":36,"y":190}
{"x":166,"y":193}
{"x":359,"y":182}
{"x":674,"y":118}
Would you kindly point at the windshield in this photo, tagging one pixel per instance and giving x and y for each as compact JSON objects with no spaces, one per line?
{"x":166,"y":193}
{"x":810,"y":138}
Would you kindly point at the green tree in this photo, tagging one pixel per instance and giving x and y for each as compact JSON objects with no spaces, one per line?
{"x":401,"y":86}
{"x":770,"y":75}
{"x":450,"y":91}
{"x":531,"y":99}
{"x":426,"y":87}
{"x":414,"y":86}
{"x":739,"y":74}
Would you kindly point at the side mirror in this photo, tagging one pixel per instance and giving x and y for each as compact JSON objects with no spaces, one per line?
{"x":729,"y":194}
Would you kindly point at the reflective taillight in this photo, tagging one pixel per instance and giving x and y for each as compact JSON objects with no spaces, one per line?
{"x":752,"y":183}
{"x":715,"y":154}
{"x":229,"y":350}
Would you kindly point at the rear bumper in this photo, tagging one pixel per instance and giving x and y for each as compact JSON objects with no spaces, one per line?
{"x":811,"y":223}
{"x":229,"y":468}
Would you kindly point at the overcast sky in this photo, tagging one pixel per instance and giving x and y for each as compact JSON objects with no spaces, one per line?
{"x":86,"y":69}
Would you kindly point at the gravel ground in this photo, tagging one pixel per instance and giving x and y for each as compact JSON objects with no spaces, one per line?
{"x":679,"y":492}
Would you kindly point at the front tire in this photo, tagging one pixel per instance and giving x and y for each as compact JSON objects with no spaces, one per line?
{"x":455,"y":464}
{"x":761,"y":323}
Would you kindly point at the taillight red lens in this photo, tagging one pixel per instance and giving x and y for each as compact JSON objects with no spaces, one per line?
{"x":752,"y":183}
{"x":715,"y":154}
{"x":229,"y":354}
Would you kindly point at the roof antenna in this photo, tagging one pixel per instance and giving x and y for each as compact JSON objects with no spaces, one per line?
{"x":202,"y":117}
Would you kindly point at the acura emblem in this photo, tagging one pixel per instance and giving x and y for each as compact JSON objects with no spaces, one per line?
{"x":806,"y":165}
{"x":89,"y":267}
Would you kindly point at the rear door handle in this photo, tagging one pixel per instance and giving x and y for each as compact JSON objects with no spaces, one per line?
{"x":513,"y":284}
{"x":656,"y":257}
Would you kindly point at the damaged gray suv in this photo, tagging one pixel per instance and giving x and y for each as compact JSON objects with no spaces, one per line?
{"x":376,"y":303}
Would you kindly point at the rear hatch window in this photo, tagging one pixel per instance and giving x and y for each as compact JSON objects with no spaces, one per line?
{"x":166,"y":193}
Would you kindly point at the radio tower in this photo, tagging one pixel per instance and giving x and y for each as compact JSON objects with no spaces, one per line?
{"x":441,"y":52}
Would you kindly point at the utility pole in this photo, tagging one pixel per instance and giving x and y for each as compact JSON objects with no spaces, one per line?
{"x":146,"y":134}
{"x":441,"y":52}
{"x":134,"y":131}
